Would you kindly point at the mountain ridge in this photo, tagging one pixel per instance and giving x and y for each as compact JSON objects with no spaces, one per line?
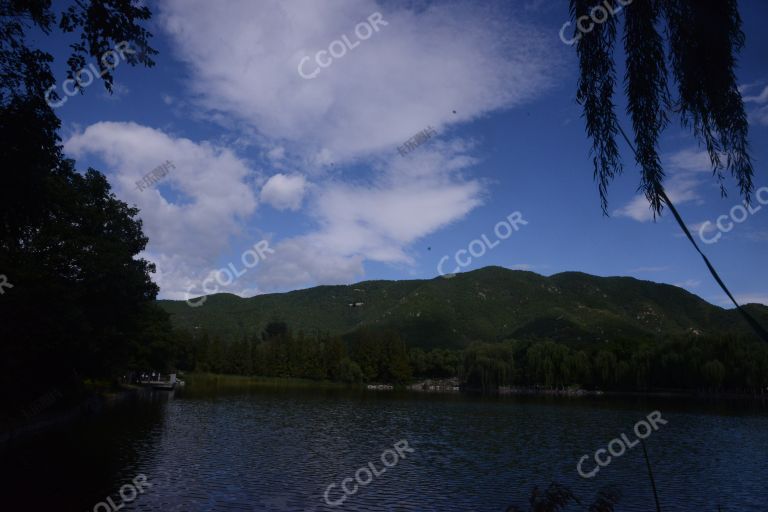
{"x":487,"y":304}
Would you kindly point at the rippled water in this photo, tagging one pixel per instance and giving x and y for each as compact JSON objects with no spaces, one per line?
{"x":278,"y":450}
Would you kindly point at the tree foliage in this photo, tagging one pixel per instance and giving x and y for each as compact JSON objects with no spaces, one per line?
{"x":379,"y":355}
{"x":366,"y":355}
{"x":688,"y":43}
{"x":81,"y":299}
{"x":100,"y":24}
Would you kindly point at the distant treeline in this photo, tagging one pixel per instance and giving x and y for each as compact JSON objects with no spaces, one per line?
{"x":695,"y":363}
{"x":371,"y":355}
{"x":366,"y":355}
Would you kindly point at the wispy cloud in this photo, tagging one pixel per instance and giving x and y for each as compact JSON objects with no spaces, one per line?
{"x":757,"y":236}
{"x":754,"y":298}
{"x":744,"y":298}
{"x":704,"y":228}
{"x":708,"y":227}
{"x":689,"y":283}
{"x":760,"y":115}
{"x":690,"y":160}
{"x":759,"y":99}
{"x":415,"y":72}
{"x":684,"y":168}
{"x":376,"y":221}
{"x":541,"y":5}
{"x":521,"y":266}
{"x":642,"y":270}
{"x":119,"y":91}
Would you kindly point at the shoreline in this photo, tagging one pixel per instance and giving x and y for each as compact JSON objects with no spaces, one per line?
{"x":22,"y":431}
{"x":580,"y":393}
{"x":14,"y":434}
{"x":451,"y":387}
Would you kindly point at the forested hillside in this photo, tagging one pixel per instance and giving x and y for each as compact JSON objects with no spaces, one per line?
{"x":488,"y":304}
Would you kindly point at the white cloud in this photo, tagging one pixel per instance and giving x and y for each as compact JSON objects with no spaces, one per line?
{"x":759,"y":99}
{"x":760,"y":116}
{"x":638,"y":209}
{"x":689,"y":283}
{"x":412,"y":73}
{"x":284,"y":192}
{"x":411,"y":198}
{"x":691,"y":160}
{"x":206,"y":201}
{"x":680,"y":189}
{"x":681,"y":184}
{"x":276,"y":154}
{"x":309,"y":260}
{"x":521,"y":266}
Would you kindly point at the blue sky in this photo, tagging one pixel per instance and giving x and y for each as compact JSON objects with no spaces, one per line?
{"x":311,"y":165}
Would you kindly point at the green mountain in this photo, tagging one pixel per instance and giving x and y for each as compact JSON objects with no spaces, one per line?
{"x":488,"y":304}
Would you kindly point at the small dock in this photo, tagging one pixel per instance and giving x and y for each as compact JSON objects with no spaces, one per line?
{"x":165,"y":385}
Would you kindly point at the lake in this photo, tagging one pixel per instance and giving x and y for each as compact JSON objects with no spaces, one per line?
{"x":272,"y":449}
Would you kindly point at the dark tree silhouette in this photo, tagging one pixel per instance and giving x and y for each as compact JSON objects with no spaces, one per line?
{"x":80,"y":298}
{"x":102,"y":24}
{"x":703,"y":38}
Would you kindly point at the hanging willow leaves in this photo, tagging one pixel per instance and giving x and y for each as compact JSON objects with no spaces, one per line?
{"x":702,"y":38}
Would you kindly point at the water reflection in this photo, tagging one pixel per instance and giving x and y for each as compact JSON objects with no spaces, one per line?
{"x":277,"y":449}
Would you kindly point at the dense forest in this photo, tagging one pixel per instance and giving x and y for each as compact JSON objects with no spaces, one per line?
{"x":373,"y":355}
